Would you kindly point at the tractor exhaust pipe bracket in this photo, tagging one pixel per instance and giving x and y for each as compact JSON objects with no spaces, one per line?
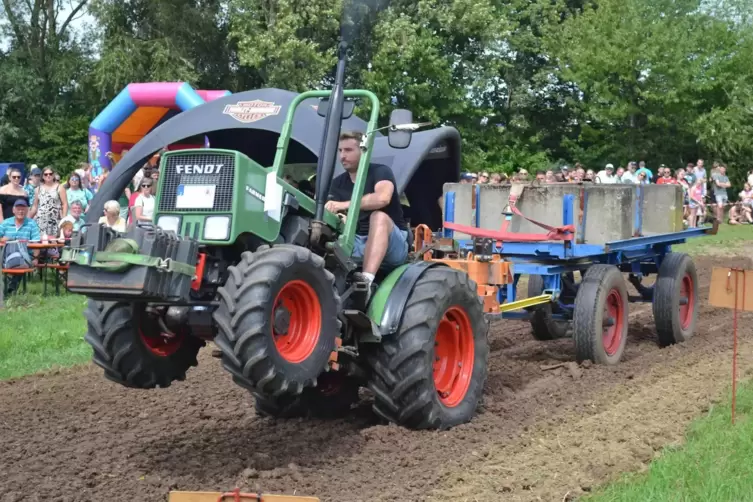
{"x":326,"y":164}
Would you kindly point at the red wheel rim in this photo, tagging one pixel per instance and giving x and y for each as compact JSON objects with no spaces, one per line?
{"x":687,"y":301}
{"x":453,"y":356}
{"x":163,"y":344}
{"x":299,"y":340}
{"x":613,"y":322}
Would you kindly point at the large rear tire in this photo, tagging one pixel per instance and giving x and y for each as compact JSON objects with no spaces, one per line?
{"x":600,"y":320}
{"x":132,"y":349}
{"x":676,"y":299}
{"x":277,"y":320}
{"x":431,"y":373}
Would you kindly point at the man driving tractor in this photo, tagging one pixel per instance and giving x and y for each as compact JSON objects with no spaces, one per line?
{"x":382,"y":234}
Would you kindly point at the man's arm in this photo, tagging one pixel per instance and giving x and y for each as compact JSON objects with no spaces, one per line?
{"x":382,"y":195}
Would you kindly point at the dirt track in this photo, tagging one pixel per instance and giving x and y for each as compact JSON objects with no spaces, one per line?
{"x":541,"y":434}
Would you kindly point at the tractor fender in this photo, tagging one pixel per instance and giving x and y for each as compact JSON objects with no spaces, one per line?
{"x":387,"y":305}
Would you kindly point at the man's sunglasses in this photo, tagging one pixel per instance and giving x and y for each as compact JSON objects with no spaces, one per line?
{"x":15,"y":177}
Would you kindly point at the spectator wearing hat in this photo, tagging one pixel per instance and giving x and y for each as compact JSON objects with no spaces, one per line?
{"x":468,"y":178}
{"x":19,"y":228}
{"x":607,"y":175}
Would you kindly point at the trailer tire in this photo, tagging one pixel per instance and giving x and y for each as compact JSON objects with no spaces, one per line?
{"x":677,"y":282}
{"x":543,"y":327}
{"x":125,"y":346}
{"x":440,"y":345}
{"x":260,"y":352}
{"x":602,"y":289}
{"x":333,"y":397}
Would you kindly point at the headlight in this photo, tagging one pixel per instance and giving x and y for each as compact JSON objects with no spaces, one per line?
{"x":217,"y":228}
{"x":169,"y":223}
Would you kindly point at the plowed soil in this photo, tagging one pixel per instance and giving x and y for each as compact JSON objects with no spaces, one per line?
{"x":544,"y":432}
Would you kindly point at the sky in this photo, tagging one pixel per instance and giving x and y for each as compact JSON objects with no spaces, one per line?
{"x":69,"y":5}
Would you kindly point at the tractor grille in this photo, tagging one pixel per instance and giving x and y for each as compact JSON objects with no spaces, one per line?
{"x":187,"y":170}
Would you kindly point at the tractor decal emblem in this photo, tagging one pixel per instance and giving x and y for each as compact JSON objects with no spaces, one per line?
{"x":255,"y":193}
{"x":251,"y":111}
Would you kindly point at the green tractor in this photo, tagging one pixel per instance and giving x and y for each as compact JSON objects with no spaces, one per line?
{"x":265,"y":272}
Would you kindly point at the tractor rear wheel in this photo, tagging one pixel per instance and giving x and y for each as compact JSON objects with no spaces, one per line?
{"x":430,"y":374}
{"x":133,"y":350}
{"x":277,"y":320}
{"x":331,"y":398}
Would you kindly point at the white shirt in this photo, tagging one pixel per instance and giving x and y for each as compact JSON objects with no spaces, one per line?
{"x":603,"y":177}
{"x":147,"y":203}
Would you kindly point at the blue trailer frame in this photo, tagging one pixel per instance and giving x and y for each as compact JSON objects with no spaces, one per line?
{"x":638,"y":256}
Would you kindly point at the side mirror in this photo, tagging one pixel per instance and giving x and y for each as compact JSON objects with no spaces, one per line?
{"x":400,"y":138}
{"x":348,"y":106}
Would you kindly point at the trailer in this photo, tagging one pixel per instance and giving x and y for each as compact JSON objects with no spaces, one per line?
{"x":575,"y":285}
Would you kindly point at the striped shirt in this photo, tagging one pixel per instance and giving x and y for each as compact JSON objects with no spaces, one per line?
{"x":28,"y":231}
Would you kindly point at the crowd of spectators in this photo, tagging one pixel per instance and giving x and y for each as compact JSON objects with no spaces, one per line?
{"x":40,"y":207}
{"x":706,"y":194}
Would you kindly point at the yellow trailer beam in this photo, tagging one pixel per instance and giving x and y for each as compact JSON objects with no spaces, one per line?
{"x":525,"y":303}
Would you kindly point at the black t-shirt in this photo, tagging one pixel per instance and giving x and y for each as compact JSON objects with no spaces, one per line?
{"x":342,"y":190}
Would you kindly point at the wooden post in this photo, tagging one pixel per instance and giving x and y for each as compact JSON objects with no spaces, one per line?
{"x":729,"y":288}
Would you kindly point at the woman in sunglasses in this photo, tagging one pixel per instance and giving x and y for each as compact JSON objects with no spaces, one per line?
{"x":76,"y":192}
{"x":12,"y":192}
{"x":50,"y":203}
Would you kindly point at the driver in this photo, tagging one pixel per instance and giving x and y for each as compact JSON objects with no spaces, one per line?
{"x":381,"y":235}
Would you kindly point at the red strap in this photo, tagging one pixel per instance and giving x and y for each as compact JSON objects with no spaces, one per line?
{"x":557,"y":234}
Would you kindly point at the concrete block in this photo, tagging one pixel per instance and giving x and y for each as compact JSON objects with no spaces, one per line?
{"x":661,"y":209}
{"x":602,"y":213}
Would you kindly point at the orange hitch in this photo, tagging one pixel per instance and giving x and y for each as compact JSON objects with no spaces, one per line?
{"x":423,"y":237}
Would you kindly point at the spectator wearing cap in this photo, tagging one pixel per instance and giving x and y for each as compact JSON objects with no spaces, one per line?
{"x":468,"y":178}
{"x":607,"y":175}
{"x":19,"y":228}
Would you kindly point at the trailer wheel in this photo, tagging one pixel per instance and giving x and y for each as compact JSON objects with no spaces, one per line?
{"x":543,"y":326}
{"x":277,"y":320}
{"x":132,"y":349}
{"x":430,"y":374}
{"x":600,"y":320}
{"x":676,"y":299}
{"x":333,"y":397}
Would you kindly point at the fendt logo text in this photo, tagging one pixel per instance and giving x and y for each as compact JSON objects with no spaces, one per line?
{"x":199,"y":168}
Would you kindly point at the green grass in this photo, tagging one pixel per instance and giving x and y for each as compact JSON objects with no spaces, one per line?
{"x":41,"y":332}
{"x":729,"y":240}
{"x":713,"y":465}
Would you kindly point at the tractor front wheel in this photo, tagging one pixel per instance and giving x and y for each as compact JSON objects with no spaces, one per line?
{"x":134,"y":350}
{"x":431,"y":373}
{"x":277,"y":320}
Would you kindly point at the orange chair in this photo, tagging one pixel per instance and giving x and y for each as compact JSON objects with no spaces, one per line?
{"x":8,"y":272}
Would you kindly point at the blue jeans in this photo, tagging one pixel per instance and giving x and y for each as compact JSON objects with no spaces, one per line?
{"x":397,"y":248}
